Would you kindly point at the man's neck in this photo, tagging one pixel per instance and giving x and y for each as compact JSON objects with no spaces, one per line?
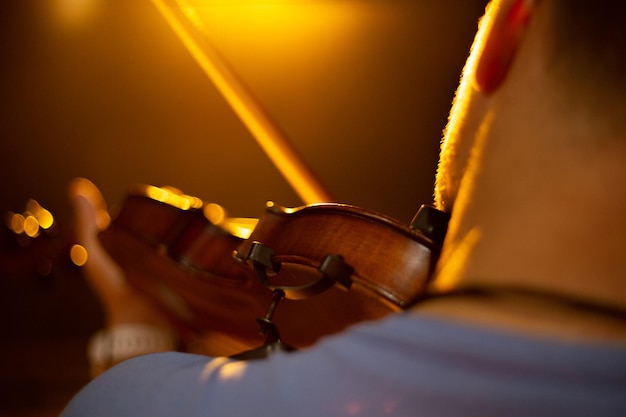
{"x":540,"y":217}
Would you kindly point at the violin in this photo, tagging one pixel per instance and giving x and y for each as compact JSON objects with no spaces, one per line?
{"x":176,"y":250}
{"x":332,"y":265}
{"x":293,"y":275}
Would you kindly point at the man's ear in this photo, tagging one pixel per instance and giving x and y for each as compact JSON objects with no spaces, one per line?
{"x":500,"y":43}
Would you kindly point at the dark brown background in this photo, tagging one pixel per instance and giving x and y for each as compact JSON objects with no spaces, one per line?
{"x":119,"y":100}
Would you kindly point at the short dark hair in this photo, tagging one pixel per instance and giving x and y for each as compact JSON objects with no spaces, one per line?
{"x":588,"y":50}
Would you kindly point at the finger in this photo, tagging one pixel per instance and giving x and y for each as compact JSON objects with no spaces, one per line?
{"x":90,"y":217}
{"x":97,"y":217}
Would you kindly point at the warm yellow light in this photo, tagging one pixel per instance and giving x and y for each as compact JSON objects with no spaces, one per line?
{"x":306,"y":34}
{"x":15,"y":221}
{"x":240,"y":227}
{"x":173,"y":197}
{"x":214,"y":213}
{"x":78,"y":255}
{"x":85,"y":188}
{"x":448,"y":277}
{"x":233,"y":370}
{"x":46,"y":220}
{"x":33,"y":206}
{"x":43,"y":216}
{"x":282,"y":21}
{"x":31,"y":225}
{"x":224,"y":368}
{"x":76,"y":13}
{"x":299,"y":31}
{"x":103,"y":218}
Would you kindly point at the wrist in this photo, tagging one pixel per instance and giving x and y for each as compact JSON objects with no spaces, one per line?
{"x":117,"y":343}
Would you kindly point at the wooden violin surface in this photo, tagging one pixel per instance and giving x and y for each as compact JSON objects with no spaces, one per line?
{"x":186,"y":259}
{"x":183,"y":261}
{"x":390,"y":263}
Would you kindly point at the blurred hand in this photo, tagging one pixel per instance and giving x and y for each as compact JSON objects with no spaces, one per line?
{"x":122,"y":303}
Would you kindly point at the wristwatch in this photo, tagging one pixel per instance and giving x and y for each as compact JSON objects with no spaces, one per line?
{"x":110,"y":346}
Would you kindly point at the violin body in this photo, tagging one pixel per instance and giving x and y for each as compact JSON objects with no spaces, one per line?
{"x":389,"y":262}
{"x":203,"y":277}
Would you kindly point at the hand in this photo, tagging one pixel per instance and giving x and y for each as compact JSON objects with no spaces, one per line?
{"x":122,"y":303}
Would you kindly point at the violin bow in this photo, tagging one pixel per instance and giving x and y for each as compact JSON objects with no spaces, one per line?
{"x":269,"y":137}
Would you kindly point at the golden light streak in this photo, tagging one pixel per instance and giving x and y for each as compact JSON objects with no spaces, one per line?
{"x":172,"y":197}
{"x":278,"y":149}
{"x":240,"y":227}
